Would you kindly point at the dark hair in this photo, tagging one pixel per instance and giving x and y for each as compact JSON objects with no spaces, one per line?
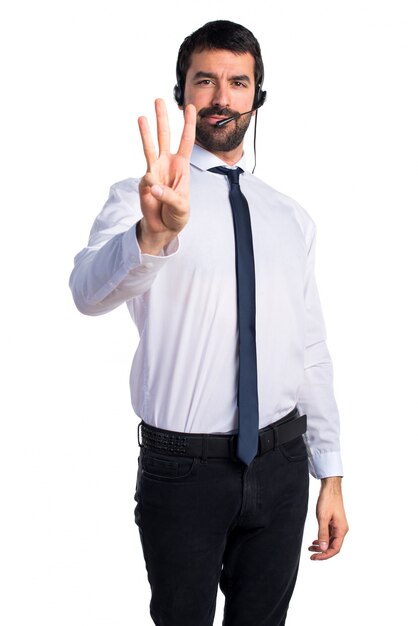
{"x":218,"y":35}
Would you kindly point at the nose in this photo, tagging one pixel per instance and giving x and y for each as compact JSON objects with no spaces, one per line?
{"x":221,"y":96}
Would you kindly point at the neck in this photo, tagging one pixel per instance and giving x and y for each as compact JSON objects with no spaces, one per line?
{"x":229,"y":158}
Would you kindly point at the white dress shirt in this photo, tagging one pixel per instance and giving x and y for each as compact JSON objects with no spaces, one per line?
{"x":184,"y":373}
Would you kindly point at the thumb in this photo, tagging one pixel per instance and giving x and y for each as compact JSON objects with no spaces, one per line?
{"x":167,"y":195}
{"x":170,"y":197}
{"x":323,"y":535}
{"x":157,"y":191}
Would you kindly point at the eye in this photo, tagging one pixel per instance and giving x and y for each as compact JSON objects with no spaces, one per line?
{"x":239,"y":83}
{"x":205,"y":81}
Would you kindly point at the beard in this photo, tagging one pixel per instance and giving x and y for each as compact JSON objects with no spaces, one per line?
{"x":223,"y":138}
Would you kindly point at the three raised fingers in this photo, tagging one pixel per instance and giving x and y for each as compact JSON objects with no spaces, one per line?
{"x":163,"y":133}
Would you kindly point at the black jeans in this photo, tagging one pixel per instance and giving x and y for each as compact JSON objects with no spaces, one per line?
{"x":204,"y":523}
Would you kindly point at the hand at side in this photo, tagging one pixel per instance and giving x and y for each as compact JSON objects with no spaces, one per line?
{"x":331,"y":519}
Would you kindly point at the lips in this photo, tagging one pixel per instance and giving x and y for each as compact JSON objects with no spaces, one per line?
{"x":212,"y":119}
{"x":213,"y":115}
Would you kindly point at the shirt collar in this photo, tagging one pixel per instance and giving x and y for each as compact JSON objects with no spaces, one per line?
{"x":203,"y":159}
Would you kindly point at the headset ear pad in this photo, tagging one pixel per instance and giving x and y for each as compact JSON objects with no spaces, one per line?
{"x":260,"y":98}
{"x":178,"y":94}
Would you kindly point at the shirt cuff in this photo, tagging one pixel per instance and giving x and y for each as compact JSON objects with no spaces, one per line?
{"x":325,"y":464}
{"x":134,"y":259}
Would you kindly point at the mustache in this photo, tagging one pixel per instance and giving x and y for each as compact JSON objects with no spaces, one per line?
{"x":209,"y":111}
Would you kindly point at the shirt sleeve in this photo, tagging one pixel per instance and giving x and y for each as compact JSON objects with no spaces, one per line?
{"x":316,"y":395}
{"x":112,"y":269}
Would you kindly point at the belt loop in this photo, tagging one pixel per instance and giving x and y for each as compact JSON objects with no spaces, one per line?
{"x":276,"y":437}
{"x":139,"y":434}
{"x":205,"y":448}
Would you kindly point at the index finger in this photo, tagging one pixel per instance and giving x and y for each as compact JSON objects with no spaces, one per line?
{"x":189,"y":132}
{"x":147,"y":143}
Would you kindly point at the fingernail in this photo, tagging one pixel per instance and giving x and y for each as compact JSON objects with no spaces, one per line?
{"x":323,"y":545}
{"x":157,"y":190}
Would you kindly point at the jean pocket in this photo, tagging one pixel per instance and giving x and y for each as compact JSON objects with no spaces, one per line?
{"x":294,"y":450}
{"x":162,"y":467}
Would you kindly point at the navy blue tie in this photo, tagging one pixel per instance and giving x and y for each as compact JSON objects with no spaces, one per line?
{"x":247,"y":395}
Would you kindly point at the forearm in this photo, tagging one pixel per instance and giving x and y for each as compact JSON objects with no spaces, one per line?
{"x":317,"y":401}
{"x":105,"y":277}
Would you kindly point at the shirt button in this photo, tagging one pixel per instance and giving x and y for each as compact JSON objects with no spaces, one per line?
{"x":132,"y":258}
{"x":149,"y":265}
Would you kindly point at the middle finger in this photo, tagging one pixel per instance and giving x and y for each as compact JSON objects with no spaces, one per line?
{"x":163,"y":128}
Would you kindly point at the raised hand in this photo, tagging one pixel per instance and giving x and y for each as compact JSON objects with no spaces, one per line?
{"x":164,"y":190}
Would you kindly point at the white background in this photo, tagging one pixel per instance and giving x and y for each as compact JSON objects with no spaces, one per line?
{"x":339,"y":133}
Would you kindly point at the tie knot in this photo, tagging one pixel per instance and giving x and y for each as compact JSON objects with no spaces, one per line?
{"x":233,"y":174}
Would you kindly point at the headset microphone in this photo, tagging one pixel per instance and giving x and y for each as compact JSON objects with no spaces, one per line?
{"x":259,"y":100}
{"x":234,"y":117}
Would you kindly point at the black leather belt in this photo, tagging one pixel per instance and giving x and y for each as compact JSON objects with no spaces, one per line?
{"x":219,"y":446}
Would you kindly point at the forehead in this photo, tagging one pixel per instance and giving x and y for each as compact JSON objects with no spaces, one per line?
{"x":221,"y":63}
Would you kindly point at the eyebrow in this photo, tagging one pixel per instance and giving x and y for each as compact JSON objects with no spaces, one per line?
{"x":240,"y":77}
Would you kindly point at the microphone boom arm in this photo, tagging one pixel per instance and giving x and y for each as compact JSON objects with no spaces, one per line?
{"x":233,"y":117}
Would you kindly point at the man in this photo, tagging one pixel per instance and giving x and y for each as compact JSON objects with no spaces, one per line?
{"x":217,"y":270}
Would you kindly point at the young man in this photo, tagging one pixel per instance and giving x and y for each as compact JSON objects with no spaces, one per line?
{"x":217,"y":270}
